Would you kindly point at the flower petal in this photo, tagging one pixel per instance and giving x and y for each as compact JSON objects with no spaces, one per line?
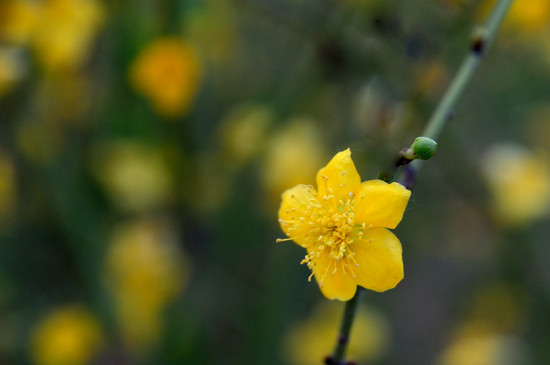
{"x":379,"y":204}
{"x":334,"y":284}
{"x":338,"y":178}
{"x":379,"y":259}
{"x":294,"y":212}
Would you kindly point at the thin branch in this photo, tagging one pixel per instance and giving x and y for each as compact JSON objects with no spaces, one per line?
{"x":480,"y":44}
{"x":344,"y":336}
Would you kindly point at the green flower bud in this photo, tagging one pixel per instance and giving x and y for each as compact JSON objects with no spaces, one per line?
{"x":424,"y":148}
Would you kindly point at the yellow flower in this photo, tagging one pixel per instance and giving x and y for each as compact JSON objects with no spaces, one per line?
{"x":64,"y":32}
{"x":281,"y":169}
{"x":343,"y":227}
{"x":68,"y":336}
{"x":11,"y":68}
{"x":167,"y":72}
{"x":530,"y":15}
{"x":308,"y":342}
{"x":145,"y":270}
{"x":525,"y":17}
{"x":475,"y":344}
{"x":60,"y":32}
{"x":137,"y":177}
{"x":519,"y":182}
{"x":243,"y":133}
{"x":17,"y":19}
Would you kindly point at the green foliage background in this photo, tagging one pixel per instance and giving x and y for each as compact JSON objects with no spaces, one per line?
{"x":313,"y":58}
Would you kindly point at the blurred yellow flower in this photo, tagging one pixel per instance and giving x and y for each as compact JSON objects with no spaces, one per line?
{"x":524,"y":16}
{"x":167,"y":72}
{"x":17,"y":20}
{"x":243,"y":133}
{"x":137,"y":177}
{"x":67,"y":336}
{"x":145,"y":270}
{"x":519,"y":182}
{"x":308,"y":342}
{"x":64,"y":32}
{"x":530,"y":15}
{"x":11,"y":68}
{"x":7,"y":186}
{"x":60,"y":32}
{"x":343,"y":227}
{"x":282,"y":169}
{"x":475,"y":345}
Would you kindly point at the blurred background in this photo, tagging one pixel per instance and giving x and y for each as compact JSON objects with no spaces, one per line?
{"x":144,"y":146}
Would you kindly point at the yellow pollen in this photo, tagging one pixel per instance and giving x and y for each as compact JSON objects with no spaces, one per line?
{"x":331,"y":233}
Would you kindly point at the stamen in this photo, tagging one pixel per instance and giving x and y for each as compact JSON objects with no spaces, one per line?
{"x":329,"y":231}
{"x":279,"y":240}
{"x":328,"y":267}
{"x":351,"y":258}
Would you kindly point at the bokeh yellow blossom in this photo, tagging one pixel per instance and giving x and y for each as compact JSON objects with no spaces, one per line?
{"x":168,"y":73}
{"x":519,"y":182}
{"x":343,"y":225}
{"x":524,"y":17}
{"x":293,"y":155}
{"x":475,"y":345}
{"x":145,"y":270}
{"x":243,"y":133}
{"x":11,"y":68}
{"x":17,"y":20}
{"x":59,"y":32}
{"x":136,"y":177}
{"x":309,"y":341}
{"x":67,"y":336}
{"x":64,"y":32}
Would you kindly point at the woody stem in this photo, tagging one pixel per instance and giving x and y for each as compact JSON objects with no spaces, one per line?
{"x":439,"y":118}
{"x":443,"y":112}
{"x":343,"y":337}
{"x":479,"y":46}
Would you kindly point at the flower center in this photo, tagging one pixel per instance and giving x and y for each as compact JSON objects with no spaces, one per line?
{"x":333,"y":230}
{"x":327,"y":229}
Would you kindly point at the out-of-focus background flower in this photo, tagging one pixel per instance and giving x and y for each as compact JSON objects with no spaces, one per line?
{"x":144,"y":146}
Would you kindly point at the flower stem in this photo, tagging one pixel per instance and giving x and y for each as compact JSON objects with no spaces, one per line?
{"x":481,"y":41}
{"x":480,"y":44}
{"x":439,"y":118}
{"x":343,"y":337}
